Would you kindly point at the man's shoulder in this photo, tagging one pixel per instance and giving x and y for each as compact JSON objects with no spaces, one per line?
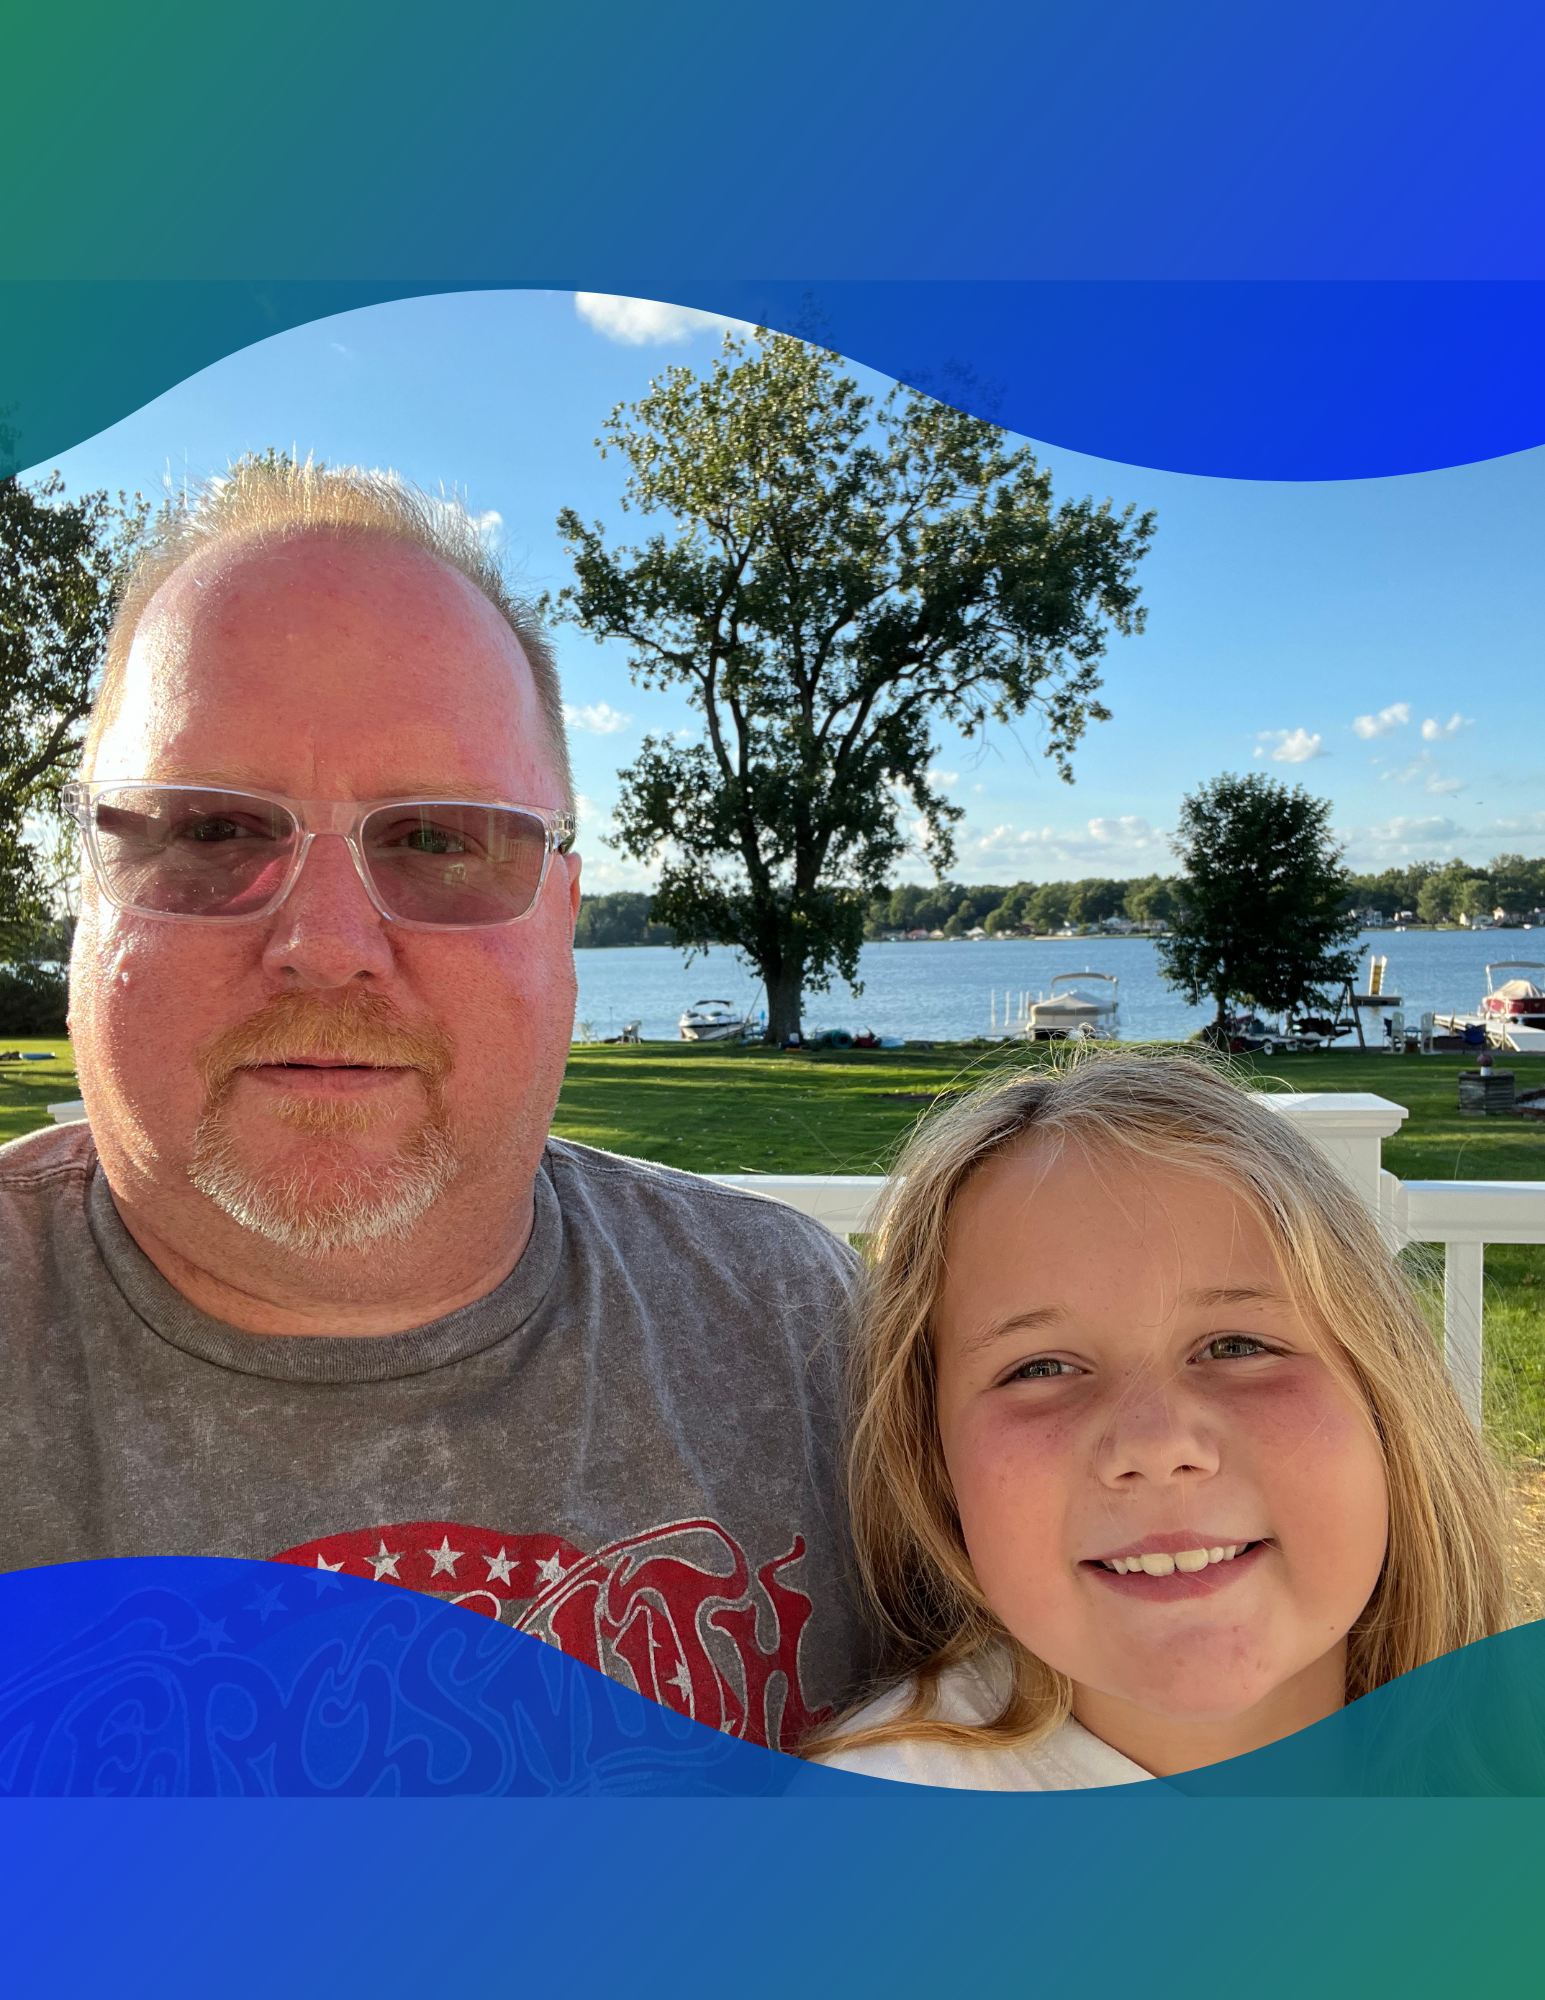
{"x":706,"y":1207}
{"x":41,"y":1160}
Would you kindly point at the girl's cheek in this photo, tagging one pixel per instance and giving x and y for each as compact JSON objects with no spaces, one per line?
{"x":1302,"y":1413}
{"x":1010,"y":1466}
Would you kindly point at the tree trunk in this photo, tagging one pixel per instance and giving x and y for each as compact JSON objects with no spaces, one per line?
{"x":785,"y":997}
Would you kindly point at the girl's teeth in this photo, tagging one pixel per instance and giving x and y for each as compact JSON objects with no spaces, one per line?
{"x":1187,"y":1560}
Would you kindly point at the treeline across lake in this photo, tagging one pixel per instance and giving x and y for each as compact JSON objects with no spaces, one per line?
{"x":1441,"y":892}
{"x":1432,"y":892}
{"x":958,"y":908}
{"x":622,"y":918}
{"x":955,"y":908}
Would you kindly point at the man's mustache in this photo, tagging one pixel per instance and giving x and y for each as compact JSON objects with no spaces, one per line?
{"x":360,"y":1028}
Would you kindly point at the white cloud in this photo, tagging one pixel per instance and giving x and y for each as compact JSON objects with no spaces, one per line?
{"x":605,"y":872}
{"x":1406,"y":837}
{"x":489,"y":524}
{"x":644,"y":322}
{"x":938,"y":777}
{"x":604,"y":868}
{"x":597,"y":719}
{"x":1103,"y":847}
{"x":1128,"y":827}
{"x":1402,"y":827}
{"x":1433,"y":784}
{"x":1412,"y":838}
{"x":1396,"y":716}
{"x":1443,"y":732}
{"x":1293,"y":746}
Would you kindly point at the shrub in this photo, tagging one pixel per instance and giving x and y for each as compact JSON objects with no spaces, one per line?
{"x":33,"y":1000}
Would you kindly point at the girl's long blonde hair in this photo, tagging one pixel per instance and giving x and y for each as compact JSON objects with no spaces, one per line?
{"x":1443,"y":1580}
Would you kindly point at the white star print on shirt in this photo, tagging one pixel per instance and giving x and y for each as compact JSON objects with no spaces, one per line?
{"x":550,"y":1569}
{"x":444,"y":1557}
{"x":383,"y":1562}
{"x":323,"y":1563}
{"x":499,"y":1566}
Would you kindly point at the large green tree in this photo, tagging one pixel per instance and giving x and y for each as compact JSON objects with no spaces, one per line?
{"x":60,"y":562}
{"x":837,"y":579}
{"x":1262,"y":912}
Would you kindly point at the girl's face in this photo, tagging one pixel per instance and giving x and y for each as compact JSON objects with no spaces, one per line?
{"x":1165,"y":1492}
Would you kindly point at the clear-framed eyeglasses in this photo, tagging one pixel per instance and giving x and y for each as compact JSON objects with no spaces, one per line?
{"x":208,"y":854}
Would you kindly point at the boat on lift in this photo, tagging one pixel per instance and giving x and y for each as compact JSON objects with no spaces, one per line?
{"x":1512,"y":1011}
{"x":1514,"y":1002}
{"x":1081,"y":1007}
{"x":715,"y":1021}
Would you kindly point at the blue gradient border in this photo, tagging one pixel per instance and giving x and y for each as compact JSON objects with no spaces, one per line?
{"x":1267,"y":244}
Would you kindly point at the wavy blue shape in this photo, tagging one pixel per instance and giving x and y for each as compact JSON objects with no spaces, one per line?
{"x":181,"y":1677}
{"x":1240,"y":379}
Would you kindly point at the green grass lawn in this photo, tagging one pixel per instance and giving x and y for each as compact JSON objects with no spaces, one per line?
{"x":753,"y":1110}
{"x":28,"y":1088}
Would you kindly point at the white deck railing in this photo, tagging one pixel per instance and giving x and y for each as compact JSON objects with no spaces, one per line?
{"x":1350,"y":1127}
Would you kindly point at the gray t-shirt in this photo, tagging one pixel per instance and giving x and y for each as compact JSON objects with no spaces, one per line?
{"x":627,"y":1448}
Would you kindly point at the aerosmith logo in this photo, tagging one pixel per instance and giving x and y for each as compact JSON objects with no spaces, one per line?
{"x":675,"y":1612}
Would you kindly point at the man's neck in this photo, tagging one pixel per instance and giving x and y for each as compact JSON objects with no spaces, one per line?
{"x":380,"y":1289}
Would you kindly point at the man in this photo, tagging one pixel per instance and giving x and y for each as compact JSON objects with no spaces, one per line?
{"x":314,"y":1282}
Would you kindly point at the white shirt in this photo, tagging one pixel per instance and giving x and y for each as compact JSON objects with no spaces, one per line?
{"x":1069,"y":1760}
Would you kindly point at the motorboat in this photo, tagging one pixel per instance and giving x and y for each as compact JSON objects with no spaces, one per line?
{"x":714,"y":1021}
{"x":1512,"y":1011}
{"x":1514,"y":1002}
{"x":1080,"y":1007}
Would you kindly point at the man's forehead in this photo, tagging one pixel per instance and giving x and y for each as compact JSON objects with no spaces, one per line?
{"x":325,"y":584}
{"x":249,"y":656}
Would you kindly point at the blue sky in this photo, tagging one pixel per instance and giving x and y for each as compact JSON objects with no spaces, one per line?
{"x":1377,"y":640}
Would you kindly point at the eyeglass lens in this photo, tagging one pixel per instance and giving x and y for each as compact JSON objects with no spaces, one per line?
{"x":182,"y":851}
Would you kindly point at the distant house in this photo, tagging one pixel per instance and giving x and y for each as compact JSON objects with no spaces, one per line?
{"x":1371,"y":920}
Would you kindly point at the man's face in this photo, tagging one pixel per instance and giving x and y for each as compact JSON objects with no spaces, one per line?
{"x":322,"y":1075}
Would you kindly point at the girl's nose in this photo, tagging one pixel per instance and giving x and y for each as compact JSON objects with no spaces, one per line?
{"x":1158,"y":1432}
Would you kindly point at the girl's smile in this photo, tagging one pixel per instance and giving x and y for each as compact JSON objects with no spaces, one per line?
{"x":1161,"y":1571}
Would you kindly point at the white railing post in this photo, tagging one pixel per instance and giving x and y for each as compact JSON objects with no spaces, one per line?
{"x":1464,"y":1283}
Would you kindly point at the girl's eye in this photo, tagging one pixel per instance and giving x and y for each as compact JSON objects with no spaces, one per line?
{"x":1044,"y":1368}
{"x":1233,"y":1347}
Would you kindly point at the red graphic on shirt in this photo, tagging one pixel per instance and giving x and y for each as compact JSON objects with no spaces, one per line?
{"x":675,"y":1612}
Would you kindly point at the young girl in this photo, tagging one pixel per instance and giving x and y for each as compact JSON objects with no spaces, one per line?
{"x":1155,"y":1459}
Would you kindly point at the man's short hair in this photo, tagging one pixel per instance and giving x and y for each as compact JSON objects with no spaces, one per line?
{"x":273,"y":499}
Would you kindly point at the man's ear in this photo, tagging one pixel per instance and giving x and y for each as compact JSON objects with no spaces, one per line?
{"x":573,"y":861}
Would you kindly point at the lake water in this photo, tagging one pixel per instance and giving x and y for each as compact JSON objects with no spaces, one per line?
{"x":947,"y":992}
